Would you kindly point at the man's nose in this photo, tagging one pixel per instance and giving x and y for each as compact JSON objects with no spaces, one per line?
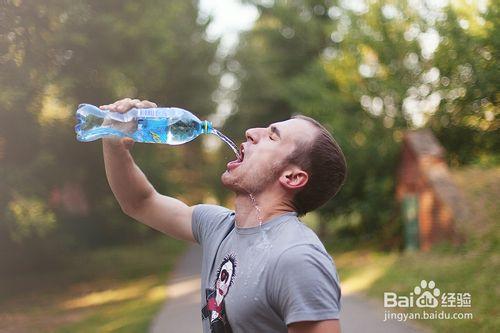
{"x":250,"y":134}
{"x":253,"y":134}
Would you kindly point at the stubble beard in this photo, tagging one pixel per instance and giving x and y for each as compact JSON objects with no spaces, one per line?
{"x":254,"y":181}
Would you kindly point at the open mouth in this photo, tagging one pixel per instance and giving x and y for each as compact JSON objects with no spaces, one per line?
{"x":237,"y":162}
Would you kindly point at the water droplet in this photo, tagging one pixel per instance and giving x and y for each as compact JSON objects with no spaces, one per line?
{"x":257,"y":208}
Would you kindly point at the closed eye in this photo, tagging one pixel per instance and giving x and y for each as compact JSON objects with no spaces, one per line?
{"x":275,"y":133}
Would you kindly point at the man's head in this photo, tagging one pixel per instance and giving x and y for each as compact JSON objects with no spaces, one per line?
{"x":296,"y":159}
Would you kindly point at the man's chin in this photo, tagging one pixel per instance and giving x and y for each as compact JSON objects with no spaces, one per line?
{"x":226,"y":179}
{"x":229,"y":181}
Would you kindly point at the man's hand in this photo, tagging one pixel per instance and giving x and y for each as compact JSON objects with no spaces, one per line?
{"x":123,"y":106}
{"x":325,"y":326}
{"x":135,"y":194}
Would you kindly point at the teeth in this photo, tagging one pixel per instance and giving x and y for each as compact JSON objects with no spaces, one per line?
{"x":242,"y":154}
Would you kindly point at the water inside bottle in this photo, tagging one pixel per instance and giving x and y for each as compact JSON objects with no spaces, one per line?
{"x":228,"y":141}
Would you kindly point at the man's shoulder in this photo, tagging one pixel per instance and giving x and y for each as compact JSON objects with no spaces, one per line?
{"x":210,"y":211}
{"x":298,"y":236}
{"x":295,"y":254}
{"x":297,"y":242}
{"x":209,"y":220}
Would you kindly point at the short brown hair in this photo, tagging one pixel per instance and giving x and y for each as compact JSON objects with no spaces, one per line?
{"x":325,"y":164}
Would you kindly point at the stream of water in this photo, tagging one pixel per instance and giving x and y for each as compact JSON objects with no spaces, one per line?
{"x":228,"y":141}
{"x":264,"y":241}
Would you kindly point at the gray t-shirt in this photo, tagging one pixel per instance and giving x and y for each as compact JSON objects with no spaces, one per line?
{"x":261,"y":279}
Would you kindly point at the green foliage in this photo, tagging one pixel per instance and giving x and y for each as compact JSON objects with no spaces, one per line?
{"x":467,"y":121}
{"x":28,"y":217}
{"x":138,"y":270}
{"x":365,"y":71}
{"x":110,"y":289}
{"x":58,"y":53}
{"x":368,"y":71}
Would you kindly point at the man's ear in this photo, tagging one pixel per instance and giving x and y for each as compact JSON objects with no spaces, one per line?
{"x":294,"y":178}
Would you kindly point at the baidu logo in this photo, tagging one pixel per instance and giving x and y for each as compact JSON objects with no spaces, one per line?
{"x":424,"y":299}
{"x":426,"y":295}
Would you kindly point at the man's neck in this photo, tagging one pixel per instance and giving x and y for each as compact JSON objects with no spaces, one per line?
{"x":251,"y":210}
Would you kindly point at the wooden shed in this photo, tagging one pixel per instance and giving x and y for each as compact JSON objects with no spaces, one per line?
{"x":431,"y":204}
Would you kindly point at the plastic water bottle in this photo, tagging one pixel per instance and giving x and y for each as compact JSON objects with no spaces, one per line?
{"x":171,"y":126}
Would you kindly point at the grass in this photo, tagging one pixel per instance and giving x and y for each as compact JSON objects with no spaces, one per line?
{"x":130,"y":314}
{"x":116,"y":289}
{"x":472,"y":267}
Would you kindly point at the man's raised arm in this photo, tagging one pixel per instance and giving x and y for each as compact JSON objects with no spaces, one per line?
{"x":135,"y":194}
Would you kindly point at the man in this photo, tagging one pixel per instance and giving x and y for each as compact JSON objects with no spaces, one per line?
{"x":263,"y":270}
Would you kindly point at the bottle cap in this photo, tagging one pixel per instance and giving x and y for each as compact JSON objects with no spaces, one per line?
{"x":206,"y":126}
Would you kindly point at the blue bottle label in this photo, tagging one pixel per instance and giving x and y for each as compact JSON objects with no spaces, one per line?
{"x":140,"y":124}
{"x":152,"y":130}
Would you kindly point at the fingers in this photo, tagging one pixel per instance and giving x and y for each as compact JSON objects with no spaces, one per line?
{"x":116,"y":106}
{"x":126,"y":104}
{"x":128,"y":143}
{"x":146,"y":104}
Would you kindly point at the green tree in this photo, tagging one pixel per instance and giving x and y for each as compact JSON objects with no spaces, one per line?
{"x":56,"y":54}
{"x":369,"y":71}
{"x":467,"y":120}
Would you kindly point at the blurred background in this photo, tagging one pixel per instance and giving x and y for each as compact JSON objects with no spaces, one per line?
{"x":410,"y":90}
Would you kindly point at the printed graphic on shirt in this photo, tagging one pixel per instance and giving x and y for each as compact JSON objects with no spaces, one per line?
{"x":215,"y":310}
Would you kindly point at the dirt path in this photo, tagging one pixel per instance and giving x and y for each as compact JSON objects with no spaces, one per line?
{"x":360,"y":314}
{"x":182,"y":311}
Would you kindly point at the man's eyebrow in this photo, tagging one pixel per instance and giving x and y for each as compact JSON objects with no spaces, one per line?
{"x":276,"y":131}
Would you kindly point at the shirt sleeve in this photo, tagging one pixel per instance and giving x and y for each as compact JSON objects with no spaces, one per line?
{"x":305,"y":285}
{"x":207,"y":219}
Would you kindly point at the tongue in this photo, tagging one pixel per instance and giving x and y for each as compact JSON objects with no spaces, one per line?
{"x":237,"y":161}
{"x":233,"y":164}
